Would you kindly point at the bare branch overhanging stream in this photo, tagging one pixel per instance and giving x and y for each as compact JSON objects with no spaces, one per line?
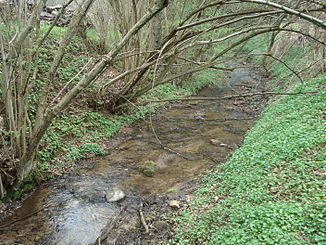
{"x":224,"y":97}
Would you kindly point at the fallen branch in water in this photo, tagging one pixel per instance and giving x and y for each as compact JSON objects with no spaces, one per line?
{"x":230,"y":119}
{"x":161,"y":144}
{"x":20,"y":219}
{"x":225,"y":97}
{"x":177,"y":153}
{"x":107,"y":230}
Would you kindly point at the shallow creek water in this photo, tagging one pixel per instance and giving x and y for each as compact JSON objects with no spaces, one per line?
{"x":73,"y":210}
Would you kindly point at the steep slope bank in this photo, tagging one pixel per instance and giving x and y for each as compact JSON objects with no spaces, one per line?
{"x":271,"y":190}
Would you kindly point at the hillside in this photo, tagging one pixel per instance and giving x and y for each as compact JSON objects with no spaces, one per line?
{"x":272,"y":189}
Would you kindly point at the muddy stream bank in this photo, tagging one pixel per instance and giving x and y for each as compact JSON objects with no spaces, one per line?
{"x":196,"y":136}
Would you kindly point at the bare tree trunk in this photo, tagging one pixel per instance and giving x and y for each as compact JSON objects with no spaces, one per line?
{"x":26,"y":164}
{"x":157,"y":31}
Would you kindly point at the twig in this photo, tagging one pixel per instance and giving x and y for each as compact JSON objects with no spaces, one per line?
{"x":142,"y":219}
{"x":282,"y":62}
{"x":5,"y":173}
{"x":177,"y":153}
{"x":311,"y":65}
{"x":164,"y":147}
{"x":150,"y":115}
{"x":2,"y":190}
{"x":71,"y":80}
{"x":201,"y":63}
{"x":20,"y":219}
{"x":230,"y":119}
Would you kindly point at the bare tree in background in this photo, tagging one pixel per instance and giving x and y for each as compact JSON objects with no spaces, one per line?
{"x":118,"y":17}
{"x":101,"y":18}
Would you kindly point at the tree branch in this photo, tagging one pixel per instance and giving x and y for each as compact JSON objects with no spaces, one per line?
{"x":282,"y":62}
{"x":26,"y":162}
{"x":226,"y":97}
{"x":307,"y":17}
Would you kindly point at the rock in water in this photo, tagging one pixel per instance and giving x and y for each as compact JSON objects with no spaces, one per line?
{"x":148,"y":168}
{"x":114,"y":195}
{"x":216,"y":142}
{"x":220,"y":143}
{"x":174,"y":203}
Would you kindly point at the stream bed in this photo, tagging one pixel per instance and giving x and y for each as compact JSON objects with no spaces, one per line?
{"x":184,"y":140}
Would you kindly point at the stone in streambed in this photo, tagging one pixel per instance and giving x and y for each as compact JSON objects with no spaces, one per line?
{"x":174,"y":203}
{"x":114,"y":195}
{"x":148,"y":168}
{"x":220,"y":143}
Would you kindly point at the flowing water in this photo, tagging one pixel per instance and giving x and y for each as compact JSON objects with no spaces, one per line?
{"x":195,"y":136}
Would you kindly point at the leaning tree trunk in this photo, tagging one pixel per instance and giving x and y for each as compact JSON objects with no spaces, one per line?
{"x":26,"y":163}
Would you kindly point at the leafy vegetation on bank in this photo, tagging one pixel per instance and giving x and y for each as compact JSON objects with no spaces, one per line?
{"x":272,"y":189}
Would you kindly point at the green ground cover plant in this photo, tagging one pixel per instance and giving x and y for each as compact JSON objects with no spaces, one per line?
{"x":296,"y":56}
{"x":272,"y":189}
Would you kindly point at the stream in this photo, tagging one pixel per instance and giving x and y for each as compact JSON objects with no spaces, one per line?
{"x":196,"y":136}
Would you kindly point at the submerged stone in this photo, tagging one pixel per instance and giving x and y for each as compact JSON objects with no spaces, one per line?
{"x":219,"y":143}
{"x":148,"y":168}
